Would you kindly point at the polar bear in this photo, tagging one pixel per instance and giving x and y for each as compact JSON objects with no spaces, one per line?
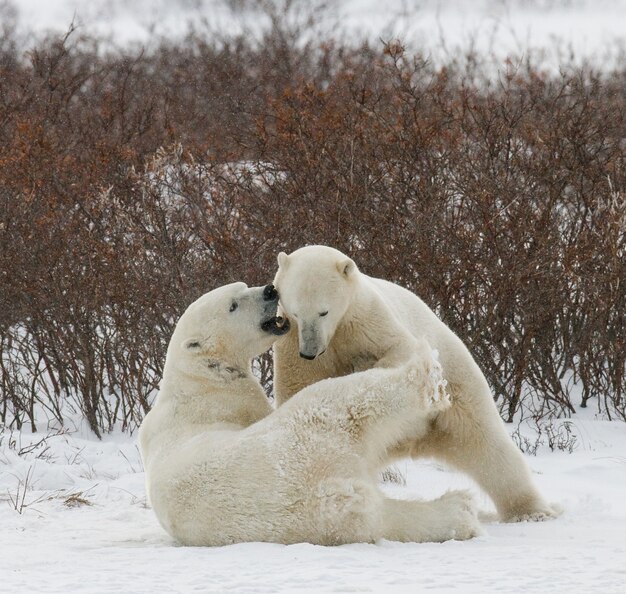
{"x":346,"y":321}
{"x":221,"y":469}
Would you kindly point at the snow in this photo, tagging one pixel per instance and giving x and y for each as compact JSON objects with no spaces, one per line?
{"x":110,"y":541}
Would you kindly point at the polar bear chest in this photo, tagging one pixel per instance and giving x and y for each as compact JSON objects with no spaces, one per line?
{"x":361,"y":361}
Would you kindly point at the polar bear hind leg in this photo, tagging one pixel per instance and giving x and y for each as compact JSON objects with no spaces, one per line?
{"x":387,"y":406}
{"x":390,"y":404}
{"x":451,"y":517}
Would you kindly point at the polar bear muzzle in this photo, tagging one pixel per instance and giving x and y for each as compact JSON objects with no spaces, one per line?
{"x":270,"y":293}
{"x":276,"y":325}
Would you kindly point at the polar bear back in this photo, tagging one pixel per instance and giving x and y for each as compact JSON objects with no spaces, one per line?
{"x":408,"y":308}
{"x":415,"y":316}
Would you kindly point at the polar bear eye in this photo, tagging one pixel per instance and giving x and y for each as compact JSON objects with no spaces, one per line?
{"x":324,"y":313}
{"x":233,"y":306}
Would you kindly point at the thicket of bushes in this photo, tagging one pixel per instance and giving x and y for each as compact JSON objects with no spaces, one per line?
{"x":131,"y":182}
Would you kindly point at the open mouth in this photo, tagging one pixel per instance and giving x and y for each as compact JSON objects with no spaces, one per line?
{"x":276,"y":325}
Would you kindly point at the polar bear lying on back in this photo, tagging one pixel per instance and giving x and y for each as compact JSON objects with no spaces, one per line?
{"x":221,"y":469}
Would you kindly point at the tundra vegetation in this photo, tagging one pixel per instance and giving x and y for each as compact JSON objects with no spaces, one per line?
{"x":132,"y":181}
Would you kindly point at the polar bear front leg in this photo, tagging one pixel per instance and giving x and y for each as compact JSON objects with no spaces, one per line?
{"x":475,"y":441}
{"x":502,"y":472}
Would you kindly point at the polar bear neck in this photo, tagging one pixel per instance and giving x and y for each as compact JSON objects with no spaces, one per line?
{"x":367,"y":323}
{"x":224,"y":396}
{"x":186,"y":409}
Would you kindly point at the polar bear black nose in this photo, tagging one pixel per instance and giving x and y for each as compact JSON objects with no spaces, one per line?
{"x":270,"y":293}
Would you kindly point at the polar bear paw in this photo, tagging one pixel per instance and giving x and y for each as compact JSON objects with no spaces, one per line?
{"x":541,"y":513}
{"x":461,"y":516}
{"x":425,"y":375}
{"x":439,"y":397}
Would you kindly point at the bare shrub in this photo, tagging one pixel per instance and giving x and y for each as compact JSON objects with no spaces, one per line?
{"x":558,"y":435}
{"x":132,"y":182}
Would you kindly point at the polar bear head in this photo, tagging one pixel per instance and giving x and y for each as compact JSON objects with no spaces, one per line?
{"x":316,"y":286}
{"x":223,"y":330}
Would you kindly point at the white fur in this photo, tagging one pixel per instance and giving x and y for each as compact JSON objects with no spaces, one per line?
{"x":372,"y":322}
{"x":221,"y":469}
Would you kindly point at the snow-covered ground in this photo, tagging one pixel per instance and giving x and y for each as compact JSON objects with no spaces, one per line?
{"x":590,"y":28}
{"x":84,"y":527}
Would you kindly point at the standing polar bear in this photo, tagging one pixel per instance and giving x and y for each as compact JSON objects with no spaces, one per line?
{"x":347,"y":321}
{"x":221,"y":469}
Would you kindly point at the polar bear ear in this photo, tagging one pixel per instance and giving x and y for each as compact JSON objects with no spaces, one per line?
{"x":192,"y":344}
{"x":346,"y":267}
{"x":283,"y":260}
